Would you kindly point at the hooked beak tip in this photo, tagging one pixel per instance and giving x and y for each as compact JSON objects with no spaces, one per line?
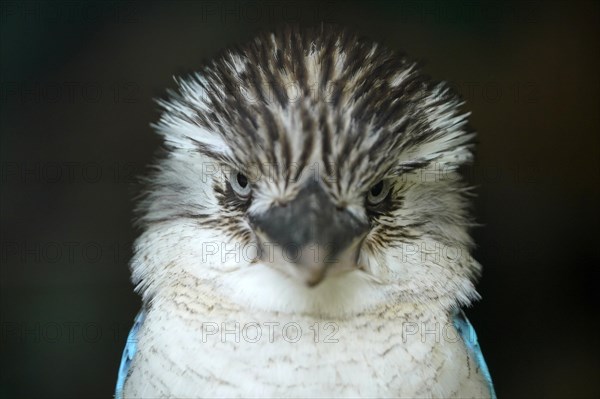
{"x":310,"y":272}
{"x":314,"y":280}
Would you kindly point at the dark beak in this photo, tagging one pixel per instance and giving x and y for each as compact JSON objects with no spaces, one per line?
{"x":312,"y":233}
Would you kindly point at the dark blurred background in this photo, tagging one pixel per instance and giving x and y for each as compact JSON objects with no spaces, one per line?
{"x":77,"y":83}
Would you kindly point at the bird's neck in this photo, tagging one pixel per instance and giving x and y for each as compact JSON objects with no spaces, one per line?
{"x":203,"y":297}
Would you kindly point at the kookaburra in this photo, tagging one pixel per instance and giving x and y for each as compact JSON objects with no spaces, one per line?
{"x":306,"y":232}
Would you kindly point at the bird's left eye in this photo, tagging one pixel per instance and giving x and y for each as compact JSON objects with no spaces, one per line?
{"x":240,"y":184}
{"x":378,"y":192}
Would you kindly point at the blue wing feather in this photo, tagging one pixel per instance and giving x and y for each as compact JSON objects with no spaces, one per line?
{"x":128,"y":353}
{"x":468,"y":335}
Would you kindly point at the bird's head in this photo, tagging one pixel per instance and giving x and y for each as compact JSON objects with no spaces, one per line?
{"x":310,"y":169}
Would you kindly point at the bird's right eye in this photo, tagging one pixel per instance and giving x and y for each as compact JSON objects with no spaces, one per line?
{"x":240,"y":184}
